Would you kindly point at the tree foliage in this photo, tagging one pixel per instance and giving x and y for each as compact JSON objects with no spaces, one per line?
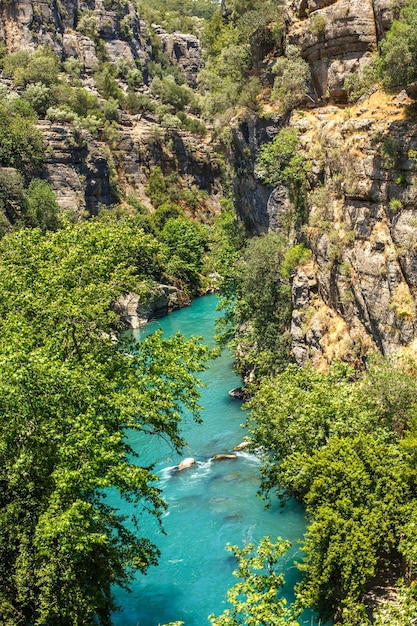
{"x":281,"y":161}
{"x":186,"y":243}
{"x":346,"y":447}
{"x":229,"y":54}
{"x":24,"y":66}
{"x":354,"y":489}
{"x":291,"y":82}
{"x":20,"y":142}
{"x":262,"y":309}
{"x":258,"y":599}
{"x":398,"y":62}
{"x":70,"y":387}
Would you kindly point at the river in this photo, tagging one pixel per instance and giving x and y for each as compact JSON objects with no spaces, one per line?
{"x":210,"y":504}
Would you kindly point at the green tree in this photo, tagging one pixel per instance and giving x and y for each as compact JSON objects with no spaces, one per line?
{"x":186,"y":243}
{"x":332,"y":440}
{"x":257,"y":600}
{"x":39,"y":97}
{"x":228,"y":243}
{"x":42,"y":210}
{"x":262,"y":311}
{"x":24,"y":66}
{"x":291,"y":82}
{"x":299,"y":410}
{"x":281,"y":161}
{"x":398,"y":62}
{"x":107,"y":83}
{"x":12,"y":195}
{"x":355,"y":490}
{"x":167,"y":89}
{"x":70,"y":387}
{"x":20,"y":142}
{"x":390,"y":388}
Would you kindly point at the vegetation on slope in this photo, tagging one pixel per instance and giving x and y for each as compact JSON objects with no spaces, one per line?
{"x":344,"y":444}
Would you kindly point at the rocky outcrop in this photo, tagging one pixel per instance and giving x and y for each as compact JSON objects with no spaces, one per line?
{"x":27,"y":24}
{"x":242,"y":446}
{"x":143,"y":144}
{"x":336,"y":38}
{"x":256,"y":205}
{"x":361,"y":291}
{"x":90,"y":169}
{"x":85,"y":173}
{"x":136,"y":311}
{"x":76,"y":167}
{"x":186,"y":463}
{"x":184,"y":52}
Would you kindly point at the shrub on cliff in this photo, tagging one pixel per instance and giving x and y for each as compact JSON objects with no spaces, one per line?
{"x":227,"y":79}
{"x":291,"y":82}
{"x":168,"y":90}
{"x":42,"y":210}
{"x":398,"y":63}
{"x":20,"y":142}
{"x":281,"y":161}
{"x":41,"y":66}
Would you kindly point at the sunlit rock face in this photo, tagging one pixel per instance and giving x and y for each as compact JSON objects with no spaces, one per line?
{"x":184,"y":51}
{"x":336,"y":38}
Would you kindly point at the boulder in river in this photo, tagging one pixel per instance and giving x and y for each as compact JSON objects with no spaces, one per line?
{"x":186,"y":463}
{"x":222,"y":457}
{"x":241,"y":446}
{"x":239,"y":393}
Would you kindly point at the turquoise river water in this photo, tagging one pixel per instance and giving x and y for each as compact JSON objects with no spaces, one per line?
{"x":211,"y":504}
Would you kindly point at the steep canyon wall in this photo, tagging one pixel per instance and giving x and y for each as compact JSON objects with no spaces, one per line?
{"x":359,"y":292}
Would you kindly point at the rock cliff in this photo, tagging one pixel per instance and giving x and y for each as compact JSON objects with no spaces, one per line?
{"x":337,"y":37}
{"x":359,"y":292}
{"x":361,"y":289}
{"x":88,"y":170}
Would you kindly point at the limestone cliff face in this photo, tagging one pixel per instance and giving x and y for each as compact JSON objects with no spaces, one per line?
{"x":184,"y":51}
{"x":84,"y":173}
{"x":26,"y":24}
{"x":255,"y":202}
{"x":76,"y":167}
{"x":30,"y":23}
{"x":85,"y":170}
{"x":359,"y":292}
{"x":337,"y":37}
{"x":135,"y":312}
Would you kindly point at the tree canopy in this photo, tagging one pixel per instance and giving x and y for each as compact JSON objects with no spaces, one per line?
{"x":398,"y":62}
{"x":345,"y":446}
{"x":70,"y":387}
{"x":257,"y":598}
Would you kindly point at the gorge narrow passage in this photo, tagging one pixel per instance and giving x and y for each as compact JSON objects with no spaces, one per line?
{"x":210,"y":504}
